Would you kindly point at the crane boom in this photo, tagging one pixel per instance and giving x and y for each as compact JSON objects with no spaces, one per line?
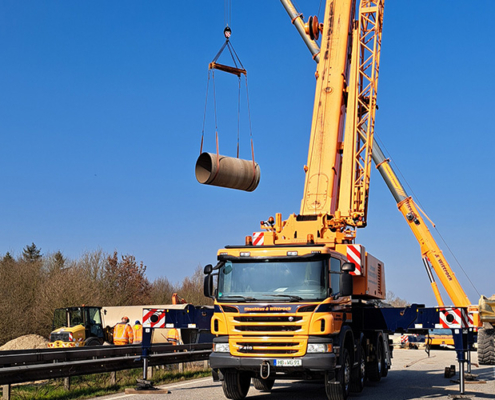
{"x":338,"y":169}
{"x":324,"y":159}
{"x":431,"y":253}
{"x":353,"y":194}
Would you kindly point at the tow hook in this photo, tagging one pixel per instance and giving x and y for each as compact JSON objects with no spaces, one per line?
{"x":265,"y":369}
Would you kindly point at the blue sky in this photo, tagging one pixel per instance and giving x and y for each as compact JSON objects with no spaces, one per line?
{"x":101,"y":110}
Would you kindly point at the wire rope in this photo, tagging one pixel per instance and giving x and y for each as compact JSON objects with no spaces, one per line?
{"x":204,"y":115}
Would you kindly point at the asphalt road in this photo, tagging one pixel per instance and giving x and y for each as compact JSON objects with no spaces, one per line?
{"x":413,"y":376}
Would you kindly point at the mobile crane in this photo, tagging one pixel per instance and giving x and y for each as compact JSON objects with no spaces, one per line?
{"x":303,"y":305}
{"x":483,"y":314}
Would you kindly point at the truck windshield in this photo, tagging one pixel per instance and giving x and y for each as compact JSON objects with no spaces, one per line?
{"x":76,"y":317}
{"x":272,"y":281}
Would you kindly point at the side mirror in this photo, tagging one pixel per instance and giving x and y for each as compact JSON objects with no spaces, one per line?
{"x":208,"y":269}
{"x":208,"y":286}
{"x":346,"y":282}
{"x":348,"y":267}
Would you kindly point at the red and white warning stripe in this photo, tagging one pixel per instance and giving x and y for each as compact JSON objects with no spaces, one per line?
{"x":471,"y":319}
{"x":258,"y":238}
{"x":455,"y":318}
{"x":153,"y":318}
{"x":404,"y":339}
{"x":354,"y":256}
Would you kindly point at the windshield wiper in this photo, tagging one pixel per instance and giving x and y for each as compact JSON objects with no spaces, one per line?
{"x":290,"y":296}
{"x":238,"y":297}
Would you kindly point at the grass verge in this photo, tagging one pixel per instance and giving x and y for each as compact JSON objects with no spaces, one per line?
{"x":88,"y":386}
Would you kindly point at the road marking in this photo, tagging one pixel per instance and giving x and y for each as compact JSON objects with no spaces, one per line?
{"x":186,"y":383}
{"x":166,"y":387}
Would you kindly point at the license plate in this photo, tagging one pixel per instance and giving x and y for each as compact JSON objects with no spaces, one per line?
{"x":287,"y":362}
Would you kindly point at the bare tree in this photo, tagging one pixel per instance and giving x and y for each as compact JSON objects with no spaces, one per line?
{"x":191,"y":288}
{"x":161,"y":291}
{"x":395,"y":301}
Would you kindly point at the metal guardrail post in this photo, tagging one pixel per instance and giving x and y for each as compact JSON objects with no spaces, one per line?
{"x":67,"y":383}
{"x":113,"y":378}
{"x":5,"y":392}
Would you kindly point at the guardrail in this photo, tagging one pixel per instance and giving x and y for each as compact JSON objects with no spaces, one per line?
{"x":30,"y":365}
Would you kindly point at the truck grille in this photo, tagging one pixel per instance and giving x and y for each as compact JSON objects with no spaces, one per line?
{"x":268,"y":319}
{"x":268,"y":348}
{"x":276,"y":334}
{"x":62,"y":336}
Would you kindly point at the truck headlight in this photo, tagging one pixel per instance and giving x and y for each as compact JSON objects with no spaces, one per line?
{"x":318,"y":348}
{"x":221,"y":347}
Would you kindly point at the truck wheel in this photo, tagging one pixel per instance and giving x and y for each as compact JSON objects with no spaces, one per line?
{"x":263,"y":385}
{"x":339,"y":389}
{"x":358,"y":374}
{"x":375,"y":367}
{"x":92,"y":342}
{"x":486,"y":346}
{"x":235,"y":384}
{"x":384,"y":365}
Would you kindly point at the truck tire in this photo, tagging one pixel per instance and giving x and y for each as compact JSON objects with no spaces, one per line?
{"x":235,"y":384}
{"x":92,"y":342}
{"x":339,"y":390}
{"x":375,"y":367}
{"x":384,"y":365}
{"x":486,"y":346}
{"x":263,"y":385}
{"x":358,"y":374}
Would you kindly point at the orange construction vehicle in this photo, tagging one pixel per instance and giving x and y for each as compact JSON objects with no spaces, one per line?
{"x":301,"y":300}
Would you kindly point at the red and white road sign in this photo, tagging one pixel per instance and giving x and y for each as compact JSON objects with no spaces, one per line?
{"x":258,"y":238}
{"x":455,"y":318}
{"x":153,"y":318}
{"x":354,"y":256}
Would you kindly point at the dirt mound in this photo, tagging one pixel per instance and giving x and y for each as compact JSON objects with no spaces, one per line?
{"x":26,"y":342}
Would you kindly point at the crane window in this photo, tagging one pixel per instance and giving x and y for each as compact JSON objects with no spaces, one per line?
{"x":335,"y":275}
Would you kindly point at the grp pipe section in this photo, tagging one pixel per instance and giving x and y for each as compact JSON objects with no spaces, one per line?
{"x":229,"y":172}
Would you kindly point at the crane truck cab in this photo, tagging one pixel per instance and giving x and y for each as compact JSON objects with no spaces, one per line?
{"x":295,"y":312}
{"x":77,"y":327}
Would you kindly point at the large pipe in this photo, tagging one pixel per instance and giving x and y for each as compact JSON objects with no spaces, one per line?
{"x":233,"y":173}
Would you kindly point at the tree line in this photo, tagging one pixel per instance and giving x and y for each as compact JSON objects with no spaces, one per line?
{"x":33,"y":285}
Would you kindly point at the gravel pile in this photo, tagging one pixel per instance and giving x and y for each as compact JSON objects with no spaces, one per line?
{"x":26,"y":342}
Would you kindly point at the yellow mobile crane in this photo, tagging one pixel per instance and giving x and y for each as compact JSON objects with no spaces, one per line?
{"x":433,"y":258}
{"x":303,"y":304}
